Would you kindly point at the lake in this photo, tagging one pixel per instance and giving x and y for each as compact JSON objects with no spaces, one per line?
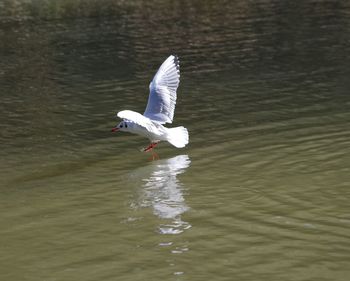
{"x":260,"y":193}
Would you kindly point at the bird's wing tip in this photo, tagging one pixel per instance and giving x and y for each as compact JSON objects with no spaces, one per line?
{"x":176,"y":61}
{"x":121,"y":114}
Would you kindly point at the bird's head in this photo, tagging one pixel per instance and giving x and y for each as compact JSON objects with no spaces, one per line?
{"x":122,"y":126}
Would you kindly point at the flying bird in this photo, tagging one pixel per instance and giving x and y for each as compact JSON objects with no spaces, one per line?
{"x":159,"y":110}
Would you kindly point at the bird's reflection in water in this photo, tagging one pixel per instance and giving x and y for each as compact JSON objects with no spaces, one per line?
{"x":162,"y":191}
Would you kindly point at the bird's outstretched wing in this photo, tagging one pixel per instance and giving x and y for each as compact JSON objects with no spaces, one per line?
{"x":162,"y":96}
{"x":139,"y":119}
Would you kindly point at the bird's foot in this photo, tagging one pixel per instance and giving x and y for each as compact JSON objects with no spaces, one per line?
{"x":155,"y":156}
{"x":150,"y":147}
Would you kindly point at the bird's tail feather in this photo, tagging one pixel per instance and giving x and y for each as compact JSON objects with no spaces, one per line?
{"x":178,"y":136}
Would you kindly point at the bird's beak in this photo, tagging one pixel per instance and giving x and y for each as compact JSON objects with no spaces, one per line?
{"x":115,"y":129}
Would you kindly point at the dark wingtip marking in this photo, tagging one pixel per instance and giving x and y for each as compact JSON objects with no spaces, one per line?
{"x":177,"y":62}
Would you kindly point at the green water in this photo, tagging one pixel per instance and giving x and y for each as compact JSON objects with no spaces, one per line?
{"x":260,"y":193}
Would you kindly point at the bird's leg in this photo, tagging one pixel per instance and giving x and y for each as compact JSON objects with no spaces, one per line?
{"x":154,"y":155}
{"x":150,"y":147}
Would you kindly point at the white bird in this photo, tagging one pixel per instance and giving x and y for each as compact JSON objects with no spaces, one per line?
{"x":160,"y":109}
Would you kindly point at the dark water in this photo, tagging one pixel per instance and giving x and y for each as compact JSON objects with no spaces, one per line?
{"x":260,"y":193}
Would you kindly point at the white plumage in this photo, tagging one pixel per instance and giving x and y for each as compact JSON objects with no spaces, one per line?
{"x":160,"y":109}
{"x":162,"y":97}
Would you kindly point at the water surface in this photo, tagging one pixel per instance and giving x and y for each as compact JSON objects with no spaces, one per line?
{"x":260,"y":193}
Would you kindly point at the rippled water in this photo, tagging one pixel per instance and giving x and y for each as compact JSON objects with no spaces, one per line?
{"x":261,"y":192}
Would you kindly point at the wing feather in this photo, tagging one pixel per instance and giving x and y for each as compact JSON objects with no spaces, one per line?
{"x":162,"y":97}
{"x":138,"y":119}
